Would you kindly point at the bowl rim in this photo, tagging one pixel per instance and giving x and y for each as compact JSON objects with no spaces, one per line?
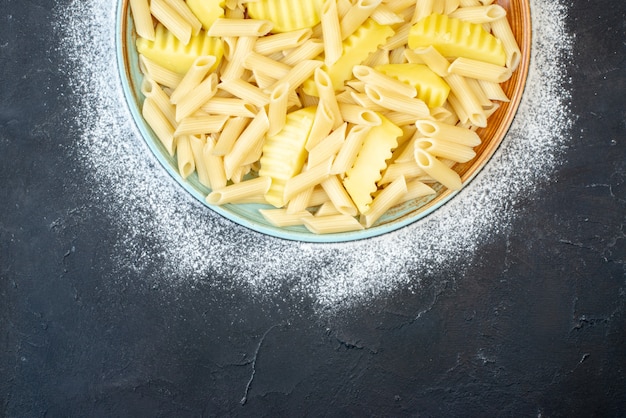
{"x":415,"y":215}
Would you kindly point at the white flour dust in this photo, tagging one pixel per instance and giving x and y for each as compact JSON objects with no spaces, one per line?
{"x":190,"y":243}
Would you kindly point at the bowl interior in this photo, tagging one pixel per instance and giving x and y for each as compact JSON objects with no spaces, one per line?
{"x":518,"y":12}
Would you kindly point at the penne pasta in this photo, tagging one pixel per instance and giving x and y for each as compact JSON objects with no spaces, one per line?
{"x":338,"y":196}
{"x":159,"y":125}
{"x":332,"y":224}
{"x":385,"y":200}
{"x":280,"y":42}
{"x":142,"y":18}
{"x":331,"y":32}
{"x":198,"y":70}
{"x":479,"y":70}
{"x":437,"y":170}
{"x":502,"y":30}
{"x":479,"y":14}
{"x":282,"y":217}
{"x":240,"y":191}
{"x":194,"y":99}
{"x":356,"y":15}
{"x":239,"y":27}
{"x":277,"y":113}
{"x":174,"y":22}
{"x":185,"y":159}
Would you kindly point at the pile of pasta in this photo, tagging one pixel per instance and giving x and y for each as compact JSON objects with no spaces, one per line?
{"x":331,"y":112}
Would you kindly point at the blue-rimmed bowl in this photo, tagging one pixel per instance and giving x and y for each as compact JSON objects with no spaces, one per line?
{"x":247,"y":215}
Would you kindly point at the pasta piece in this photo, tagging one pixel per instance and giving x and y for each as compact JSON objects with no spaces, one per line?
{"x":397,"y":102}
{"x":436,"y":62}
{"x":467,"y":99}
{"x":230,"y":107}
{"x":284,"y":153}
{"x":450,"y":6}
{"x":433,"y":129}
{"x":239,"y":27}
{"x":278,"y":108}
{"x":214,"y":165}
{"x":159,"y":125}
{"x":384,"y":15}
{"x":245,"y":91}
{"x":416,"y":189}
{"x":479,"y":14}
{"x":197,"y":125}
{"x":182,"y":9}
{"x":349,"y":150}
{"x":198,"y":70}
{"x":331,"y":32}
{"x":300,"y":201}
{"x":423,"y":8}
{"x":282,"y":217}
{"x":197,"y":97}
{"x":438,"y":170}
{"x":265,"y":65}
{"x":152,"y":90}
{"x":280,"y":42}
{"x":233,"y":127}
{"x":385,"y":200}
{"x":327,"y":209}
{"x":408,"y":169}
{"x":493,"y":91}
{"x":356,"y":15}
{"x":298,"y":74}
{"x":326,"y":94}
{"x":174,"y":22}
{"x":308,"y":50}
{"x":501,"y":29}
{"x":332,"y":224}
{"x":322,"y":125}
{"x":457,"y":38}
{"x":240,"y":191}
{"x":327,"y":147}
{"x":479,"y":70}
{"x":161,"y":75}
{"x":185,"y":159}
{"x":142,"y":19}
{"x":380,"y":80}
{"x":247,"y":142}
{"x":197,"y":143}
{"x":446,"y":149}
{"x":359,"y":115}
{"x":235,"y":68}
{"x":338,"y":196}
{"x":306,"y":179}
{"x":361,"y":178}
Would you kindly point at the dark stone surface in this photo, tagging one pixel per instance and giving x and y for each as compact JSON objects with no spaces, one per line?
{"x":537,"y":326}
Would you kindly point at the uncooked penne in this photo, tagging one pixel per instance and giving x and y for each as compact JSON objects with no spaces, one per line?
{"x":142,"y":18}
{"x":239,"y":191}
{"x":239,"y":27}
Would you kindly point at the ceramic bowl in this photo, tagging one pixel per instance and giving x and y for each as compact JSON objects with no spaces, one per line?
{"x":518,"y":12}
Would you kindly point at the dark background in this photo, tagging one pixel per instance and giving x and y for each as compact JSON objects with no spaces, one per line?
{"x":536,"y":326}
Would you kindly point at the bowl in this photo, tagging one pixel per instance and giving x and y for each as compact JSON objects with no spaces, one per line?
{"x":247,"y":215}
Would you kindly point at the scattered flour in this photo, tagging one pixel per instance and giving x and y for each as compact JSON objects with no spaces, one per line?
{"x":190,"y":243}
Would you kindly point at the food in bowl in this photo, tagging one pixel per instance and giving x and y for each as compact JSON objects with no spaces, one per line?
{"x":329,"y":115}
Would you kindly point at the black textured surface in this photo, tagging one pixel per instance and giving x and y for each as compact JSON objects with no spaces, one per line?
{"x":536,"y":326}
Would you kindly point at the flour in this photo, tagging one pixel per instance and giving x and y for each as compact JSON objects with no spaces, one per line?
{"x":191,"y":244}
